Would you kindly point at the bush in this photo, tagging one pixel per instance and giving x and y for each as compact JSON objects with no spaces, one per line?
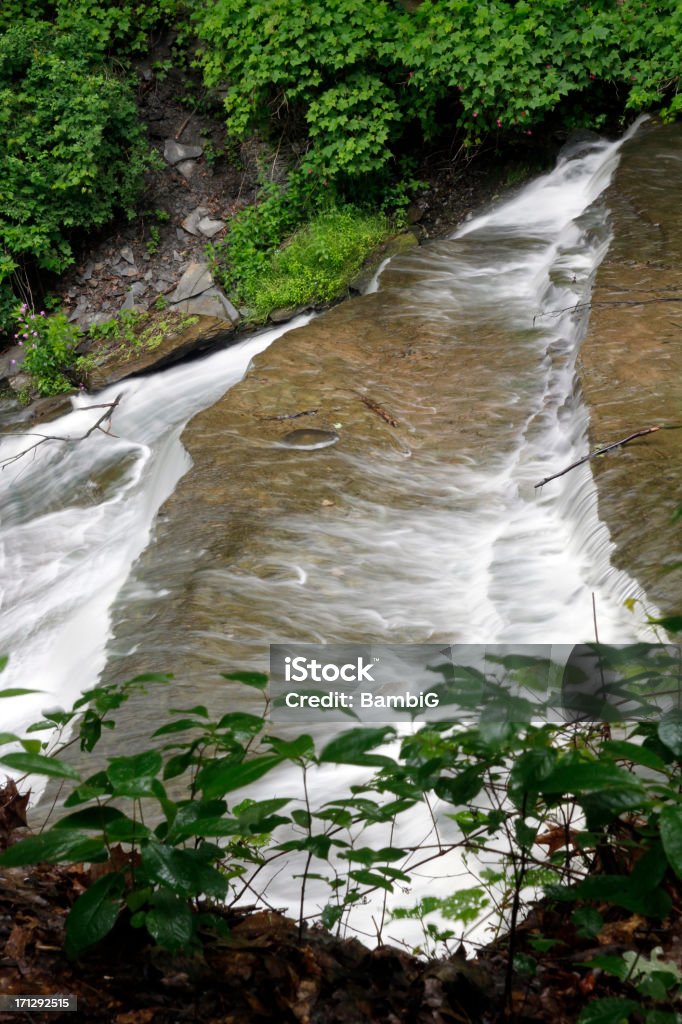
{"x":99,"y":24}
{"x":73,"y":153}
{"x":50,"y":345}
{"x":359,"y":77}
{"x":317,"y":263}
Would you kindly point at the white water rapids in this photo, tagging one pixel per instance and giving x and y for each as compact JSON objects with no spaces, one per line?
{"x":488,"y":558}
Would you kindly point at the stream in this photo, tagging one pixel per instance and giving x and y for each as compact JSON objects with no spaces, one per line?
{"x":194,"y":538}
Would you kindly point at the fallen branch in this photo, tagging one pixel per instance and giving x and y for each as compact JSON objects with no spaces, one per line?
{"x":607,"y":302}
{"x":290,"y":415}
{"x":44,"y":438}
{"x":599,"y":451}
{"x":378,"y":409}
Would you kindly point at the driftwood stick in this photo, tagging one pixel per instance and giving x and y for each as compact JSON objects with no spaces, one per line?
{"x":599,"y":451}
{"x":607,"y":302}
{"x":105,"y":418}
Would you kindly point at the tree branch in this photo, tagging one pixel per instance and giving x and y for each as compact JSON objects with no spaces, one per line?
{"x":599,"y":451}
{"x":105,"y":418}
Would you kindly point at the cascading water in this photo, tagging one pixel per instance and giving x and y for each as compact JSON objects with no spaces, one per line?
{"x":439,"y":535}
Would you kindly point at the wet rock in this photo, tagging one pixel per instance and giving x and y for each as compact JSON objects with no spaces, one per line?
{"x":206,"y":334}
{"x":196,"y":279}
{"x":209,"y":228}
{"x":175,"y":153}
{"x":309,"y":439}
{"x":193,"y":219}
{"x":280,"y":316}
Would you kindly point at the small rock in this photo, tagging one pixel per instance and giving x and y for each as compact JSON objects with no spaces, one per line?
{"x":210,"y":303}
{"x":186,"y":168}
{"x":95,"y":319}
{"x":209,"y":227}
{"x":196,"y":279}
{"x":309,"y":439}
{"x":86,"y":272}
{"x":123,"y":270}
{"x":80,"y":309}
{"x":98,"y":267}
{"x":175,"y":153}
{"x":128,"y":255}
{"x":19,"y":382}
{"x":133,"y":296}
{"x":181,"y":235}
{"x":191,"y":221}
{"x":72,"y":293}
{"x":177,"y":256}
{"x":148,"y":276}
{"x":146,"y":257}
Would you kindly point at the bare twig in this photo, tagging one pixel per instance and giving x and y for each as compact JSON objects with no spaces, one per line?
{"x":599,"y":451}
{"x":607,"y":302}
{"x":105,"y":418}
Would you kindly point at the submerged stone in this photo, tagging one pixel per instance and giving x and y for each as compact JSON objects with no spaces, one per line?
{"x":308,"y":439}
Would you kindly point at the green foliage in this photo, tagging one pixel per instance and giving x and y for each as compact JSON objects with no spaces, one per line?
{"x":506,"y":782}
{"x":360,"y":77}
{"x":317,"y":263}
{"x":50,"y":346}
{"x":98,"y":24}
{"x":73,"y":152}
{"x":258,"y":231}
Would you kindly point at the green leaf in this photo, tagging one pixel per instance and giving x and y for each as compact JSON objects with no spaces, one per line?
{"x":351,"y":747}
{"x":633,"y":752}
{"x":670,"y":731}
{"x":671,"y":623}
{"x":255,"y":679}
{"x":184,"y":871}
{"x":588,"y":922}
{"x":224,"y":776}
{"x":614,"y":965}
{"x":52,"y":847}
{"x":170,"y":921}
{"x":586,"y":777}
{"x":9,"y":737}
{"x":94,"y":914}
{"x":90,"y":817}
{"x":369,"y":878}
{"x":302,"y":746}
{"x":179,"y":725}
{"x":17,"y":692}
{"x":39,"y":764}
{"x":3,"y":662}
{"x":607,"y":1011}
{"x":671,"y":836}
{"x":134,"y":776}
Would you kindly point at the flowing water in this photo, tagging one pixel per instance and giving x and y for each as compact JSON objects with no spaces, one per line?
{"x":452,"y":389}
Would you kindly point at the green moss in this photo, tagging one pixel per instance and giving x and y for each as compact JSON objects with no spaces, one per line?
{"x":317,"y":263}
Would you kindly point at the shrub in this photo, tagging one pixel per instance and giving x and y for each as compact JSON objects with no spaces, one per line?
{"x":50,"y":345}
{"x":99,"y":24}
{"x":317,"y":263}
{"x":359,"y":77}
{"x":73,"y":152}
